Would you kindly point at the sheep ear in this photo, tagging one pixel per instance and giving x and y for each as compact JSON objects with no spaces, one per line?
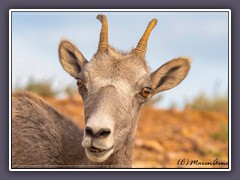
{"x":170,"y":74}
{"x":71,"y":58}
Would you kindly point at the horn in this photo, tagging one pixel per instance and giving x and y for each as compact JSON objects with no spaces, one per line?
{"x":142,"y":44}
{"x":103,"y":42}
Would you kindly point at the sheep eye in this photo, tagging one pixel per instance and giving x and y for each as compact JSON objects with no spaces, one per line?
{"x":146,"y":91}
{"x":79,"y":83}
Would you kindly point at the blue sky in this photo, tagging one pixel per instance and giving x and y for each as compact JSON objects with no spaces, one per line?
{"x":202,"y":36}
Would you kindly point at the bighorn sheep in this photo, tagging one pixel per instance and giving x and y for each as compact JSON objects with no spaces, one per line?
{"x":113,"y":85}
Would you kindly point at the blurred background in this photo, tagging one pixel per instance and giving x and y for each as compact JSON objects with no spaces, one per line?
{"x":189,"y":121}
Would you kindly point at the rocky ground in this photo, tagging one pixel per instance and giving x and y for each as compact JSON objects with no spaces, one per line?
{"x":170,"y":138}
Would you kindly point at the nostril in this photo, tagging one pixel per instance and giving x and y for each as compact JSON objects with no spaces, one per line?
{"x":104,"y":132}
{"x":89,"y":131}
{"x":101,"y":133}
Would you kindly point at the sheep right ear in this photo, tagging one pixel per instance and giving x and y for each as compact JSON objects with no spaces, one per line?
{"x":170,"y":74}
{"x":71,"y":58}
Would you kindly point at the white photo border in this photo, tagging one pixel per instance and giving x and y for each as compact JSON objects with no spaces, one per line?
{"x":122,"y":10}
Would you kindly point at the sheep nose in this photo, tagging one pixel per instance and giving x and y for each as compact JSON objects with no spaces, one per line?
{"x":103,"y":132}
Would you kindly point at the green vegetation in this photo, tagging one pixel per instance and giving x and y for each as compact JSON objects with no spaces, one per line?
{"x":222,"y":134}
{"x":45,"y":88}
{"x":202,"y":102}
{"x":70,"y":91}
{"x":42,"y":88}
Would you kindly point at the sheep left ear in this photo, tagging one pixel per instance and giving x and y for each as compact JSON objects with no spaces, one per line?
{"x":71,"y":59}
{"x":170,"y":74}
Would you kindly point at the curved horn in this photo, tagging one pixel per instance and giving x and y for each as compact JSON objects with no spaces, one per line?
{"x":103,"y":42}
{"x":142,"y":44}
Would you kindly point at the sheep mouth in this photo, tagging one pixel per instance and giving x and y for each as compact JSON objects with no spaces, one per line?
{"x":97,"y":151}
{"x":98,"y":155}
